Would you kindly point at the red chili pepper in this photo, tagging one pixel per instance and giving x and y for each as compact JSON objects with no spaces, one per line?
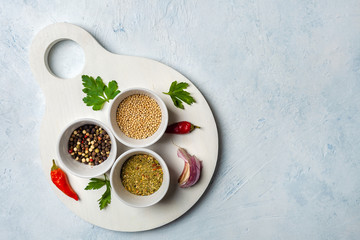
{"x":181,"y":127}
{"x":59,"y":178}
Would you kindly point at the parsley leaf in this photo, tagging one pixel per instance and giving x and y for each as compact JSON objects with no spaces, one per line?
{"x":96,"y":183}
{"x":97,"y":93}
{"x":111,"y":90}
{"x":179,"y":95}
{"x":106,"y":197}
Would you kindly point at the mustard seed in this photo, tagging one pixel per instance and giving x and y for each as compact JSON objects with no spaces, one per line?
{"x":138,"y":116}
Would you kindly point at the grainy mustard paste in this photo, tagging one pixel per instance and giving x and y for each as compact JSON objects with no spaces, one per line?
{"x":141,"y":174}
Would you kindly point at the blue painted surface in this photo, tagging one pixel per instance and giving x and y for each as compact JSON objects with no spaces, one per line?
{"x":282,"y":78}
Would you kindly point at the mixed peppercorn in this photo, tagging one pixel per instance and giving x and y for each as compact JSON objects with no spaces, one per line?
{"x":89,"y":144}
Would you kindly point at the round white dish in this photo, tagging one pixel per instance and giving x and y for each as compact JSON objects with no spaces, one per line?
{"x":78,"y":168}
{"x":64,"y":104}
{"x":131,"y":199}
{"x":131,"y":142}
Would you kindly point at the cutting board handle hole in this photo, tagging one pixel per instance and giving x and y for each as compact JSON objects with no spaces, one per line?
{"x":65,"y":59}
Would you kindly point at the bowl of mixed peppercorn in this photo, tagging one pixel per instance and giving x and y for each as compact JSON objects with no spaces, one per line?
{"x":87,"y":148}
{"x":138,"y":117}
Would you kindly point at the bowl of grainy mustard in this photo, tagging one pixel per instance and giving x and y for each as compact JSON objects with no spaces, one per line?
{"x":139,"y":177}
{"x":138,"y":117}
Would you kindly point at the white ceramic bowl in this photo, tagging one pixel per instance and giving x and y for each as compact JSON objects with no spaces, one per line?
{"x":78,"y":168}
{"x":131,"y":142}
{"x":131,"y":199}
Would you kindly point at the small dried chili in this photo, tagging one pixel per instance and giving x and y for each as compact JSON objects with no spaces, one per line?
{"x":59,"y":178}
{"x":181,"y":127}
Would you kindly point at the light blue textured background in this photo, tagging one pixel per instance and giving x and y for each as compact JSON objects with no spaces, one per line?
{"x":283,"y":81}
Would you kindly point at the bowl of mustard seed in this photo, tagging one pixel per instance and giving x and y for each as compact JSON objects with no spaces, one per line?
{"x":140,"y":177}
{"x":138,"y":117}
{"x":86,"y":148}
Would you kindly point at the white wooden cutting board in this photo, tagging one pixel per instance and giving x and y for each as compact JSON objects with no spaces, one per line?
{"x":64,"y":104}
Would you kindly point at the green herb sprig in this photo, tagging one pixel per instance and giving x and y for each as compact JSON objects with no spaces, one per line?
{"x":178,"y":95}
{"x":96,"y":183}
{"x":97,"y":93}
